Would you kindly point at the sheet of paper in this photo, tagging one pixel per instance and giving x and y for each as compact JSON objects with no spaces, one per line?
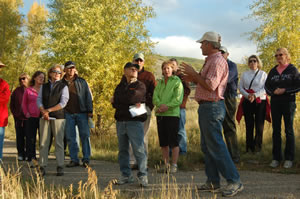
{"x":135,"y":111}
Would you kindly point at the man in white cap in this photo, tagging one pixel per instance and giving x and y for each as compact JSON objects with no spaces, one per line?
{"x":211,"y":83}
{"x":230,"y":95}
{"x":149,"y":80}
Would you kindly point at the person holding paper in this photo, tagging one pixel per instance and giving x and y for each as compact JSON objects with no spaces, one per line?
{"x":53,"y":97}
{"x":127,"y":100}
{"x":167,"y":98}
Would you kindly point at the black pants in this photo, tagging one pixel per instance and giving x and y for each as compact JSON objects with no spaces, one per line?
{"x":32,"y":126}
{"x":230,"y":128}
{"x":254,"y":114}
{"x":20,"y":137}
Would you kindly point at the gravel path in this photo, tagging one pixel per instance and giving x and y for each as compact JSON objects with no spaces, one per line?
{"x":256,"y":184}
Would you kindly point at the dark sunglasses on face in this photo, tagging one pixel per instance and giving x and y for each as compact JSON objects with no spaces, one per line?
{"x":56,"y":71}
{"x":252,"y":60}
{"x":139,"y":60}
{"x":22,"y":78}
{"x":279,"y":55}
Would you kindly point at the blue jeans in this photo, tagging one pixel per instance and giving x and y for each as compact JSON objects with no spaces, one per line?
{"x":216,"y":156}
{"x":2,"y":131}
{"x":287,"y":111}
{"x":81,"y":120}
{"x":133,"y":132}
{"x":182,"y":133}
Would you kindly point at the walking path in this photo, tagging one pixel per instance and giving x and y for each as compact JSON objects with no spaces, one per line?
{"x":256,"y":184}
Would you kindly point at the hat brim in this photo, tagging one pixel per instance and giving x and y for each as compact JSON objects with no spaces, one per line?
{"x":70,"y":66}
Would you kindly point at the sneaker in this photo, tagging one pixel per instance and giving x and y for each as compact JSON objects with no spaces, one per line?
{"x":173,"y":168}
{"x":124,"y":180}
{"x":85,"y":164}
{"x":73,"y":164}
{"x":60,"y":171}
{"x":143,"y":181}
{"x":288,"y":164}
{"x":274,"y":164}
{"x":232,"y":189}
{"x":209,"y":187}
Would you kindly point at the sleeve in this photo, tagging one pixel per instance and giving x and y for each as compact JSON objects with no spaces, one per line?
{"x":215,"y":74}
{"x":4,"y":93}
{"x":39,"y":101}
{"x":12,"y":102}
{"x":295,"y":85}
{"x":156,"y":99}
{"x":177,"y":95}
{"x":242,"y":85}
{"x":261,"y":90}
{"x":89,"y":99}
{"x":25,"y":102}
{"x":64,"y":97}
{"x":233,"y":73}
{"x":268,"y":84}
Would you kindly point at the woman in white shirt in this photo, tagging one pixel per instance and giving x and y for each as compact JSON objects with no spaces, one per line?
{"x":254,"y":103}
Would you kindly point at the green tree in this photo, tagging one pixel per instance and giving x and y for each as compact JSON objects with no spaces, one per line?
{"x":280,"y":27}
{"x":100,"y":36}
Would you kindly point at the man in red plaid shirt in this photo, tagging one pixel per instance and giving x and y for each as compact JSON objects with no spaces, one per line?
{"x":211,"y":84}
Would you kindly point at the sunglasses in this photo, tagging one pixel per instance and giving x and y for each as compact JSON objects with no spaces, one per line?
{"x":222,"y":52}
{"x":139,"y":60}
{"x":280,"y":55}
{"x":22,"y":78}
{"x":252,"y":60}
{"x":56,"y":71}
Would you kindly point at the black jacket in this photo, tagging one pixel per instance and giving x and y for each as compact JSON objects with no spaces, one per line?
{"x":289,"y":79}
{"x":126,"y":95}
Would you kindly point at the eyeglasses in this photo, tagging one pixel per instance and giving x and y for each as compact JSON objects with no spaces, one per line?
{"x":252,"y":60}
{"x":56,"y":71}
{"x":22,"y":78}
{"x":280,"y":55}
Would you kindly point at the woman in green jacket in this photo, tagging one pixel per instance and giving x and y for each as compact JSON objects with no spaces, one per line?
{"x":167,"y":97}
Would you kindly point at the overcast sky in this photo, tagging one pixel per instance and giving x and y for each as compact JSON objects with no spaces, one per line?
{"x":179,"y":23}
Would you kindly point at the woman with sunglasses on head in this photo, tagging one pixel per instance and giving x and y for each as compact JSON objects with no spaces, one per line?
{"x":52,"y":98}
{"x":32,"y":113}
{"x":19,"y":117}
{"x":282,"y":84}
{"x":253,"y":103}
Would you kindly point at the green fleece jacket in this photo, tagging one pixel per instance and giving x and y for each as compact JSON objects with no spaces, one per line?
{"x":170,"y":94}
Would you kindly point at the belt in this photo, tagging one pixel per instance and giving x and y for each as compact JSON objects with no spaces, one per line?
{"x":205,"y":101}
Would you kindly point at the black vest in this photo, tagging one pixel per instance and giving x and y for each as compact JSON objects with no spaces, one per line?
{"x":51,"y":97}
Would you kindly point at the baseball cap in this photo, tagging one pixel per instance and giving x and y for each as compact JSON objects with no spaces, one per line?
{"x":129,"y":64}
{"x":2,"y":65}
{"x":69,"y":64}
{"x":138,"y":56}
{"x":224,"y":49}
{"x":210,"y":36}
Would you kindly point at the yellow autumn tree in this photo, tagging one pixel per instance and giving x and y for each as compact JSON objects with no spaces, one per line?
{"x":280,"y":27}
{"x":100,"y":37}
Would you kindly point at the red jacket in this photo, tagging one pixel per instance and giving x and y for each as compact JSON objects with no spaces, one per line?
{"x":4,"y":98}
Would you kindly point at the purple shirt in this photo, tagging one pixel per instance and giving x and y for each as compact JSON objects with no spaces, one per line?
{"x":29,"y":105}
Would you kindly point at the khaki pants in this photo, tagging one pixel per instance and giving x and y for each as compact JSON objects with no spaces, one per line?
{"x":57,"y":127}
{"x":146,"y":128}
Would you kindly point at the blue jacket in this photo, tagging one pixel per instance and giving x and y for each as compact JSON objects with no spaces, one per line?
{"x":231,"y":88}
{"x":84,"y":95}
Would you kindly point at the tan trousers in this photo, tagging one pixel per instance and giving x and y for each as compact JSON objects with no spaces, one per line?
{"x":132,"y":159}
{"x":57,"y":127}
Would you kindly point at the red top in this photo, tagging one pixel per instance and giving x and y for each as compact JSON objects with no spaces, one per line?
{"x":215,"y":73}
{"x":4,"y":98}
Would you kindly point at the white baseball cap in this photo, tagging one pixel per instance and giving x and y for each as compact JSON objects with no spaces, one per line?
{"x":210,"y":36}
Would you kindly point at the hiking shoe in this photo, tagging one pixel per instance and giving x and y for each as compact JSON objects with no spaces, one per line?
{"x":288,"y":164}
{"x":85,"y":164}
{"x":173,"y":168}
{"x":73,"y":164}
{"x":209,"y":187}
{"x":274,"y":164}
{"x":124,"y":180}
{"x":60,"y":171}
{"x":143,"y":181}
{"x":232,"y":189}
{"x":42,"y":171}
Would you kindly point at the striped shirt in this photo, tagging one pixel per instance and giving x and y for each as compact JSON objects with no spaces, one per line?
{"x":215,"y":73}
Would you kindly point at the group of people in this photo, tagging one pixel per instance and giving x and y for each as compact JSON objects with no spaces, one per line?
{"x":64,"y":102}
{"x":53,"y":108}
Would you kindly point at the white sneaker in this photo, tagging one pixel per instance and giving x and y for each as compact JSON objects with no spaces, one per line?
{"x":173,"y":168}
{"x":143,"y":181}
{"x":274,"y":163}
{"x":288,"y":164}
